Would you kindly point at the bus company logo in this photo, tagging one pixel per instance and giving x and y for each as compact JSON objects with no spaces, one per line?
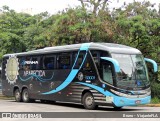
{"x":12,"y":68}
{"x":29,"y":62}
{"x":39,"y":73}
{"x":80,"y":76}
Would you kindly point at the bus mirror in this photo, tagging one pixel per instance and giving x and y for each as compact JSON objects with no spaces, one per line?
{"x":155,"y":66}
{"x":114,"y":62}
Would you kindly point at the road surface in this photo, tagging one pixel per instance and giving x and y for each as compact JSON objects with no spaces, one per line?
{"x":12,"y":106}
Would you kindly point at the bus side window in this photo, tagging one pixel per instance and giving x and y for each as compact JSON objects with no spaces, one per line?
{"x":79,"y":60}
{"x":96,"y":58}
{"x":88,"y":65}
{"x":64,"y":61}
{"x":35,"y":63}
{"x":107,"y":73}
{"x":24,"y":63}
{"x":49,"y":62}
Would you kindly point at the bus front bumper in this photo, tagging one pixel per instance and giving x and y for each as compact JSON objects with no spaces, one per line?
{"x":123,"y":101}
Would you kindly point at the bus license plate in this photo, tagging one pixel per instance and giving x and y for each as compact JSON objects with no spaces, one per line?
{"x":138,"y":101}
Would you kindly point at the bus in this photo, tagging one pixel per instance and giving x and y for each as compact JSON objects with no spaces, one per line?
{"x":91,"y":74}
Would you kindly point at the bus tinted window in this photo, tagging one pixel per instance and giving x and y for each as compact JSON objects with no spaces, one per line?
{"x":25,"y":63}
{"x":64,"y":61}
{"x":49,"y":62}
{"x":35,"y":63}
{"x":107,"y":73}
{"x":79,"y":60}
{"x":96,"y":57}
{"x":30,"y":63}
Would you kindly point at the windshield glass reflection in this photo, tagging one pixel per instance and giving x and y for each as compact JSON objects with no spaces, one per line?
{"x":133,"y":71}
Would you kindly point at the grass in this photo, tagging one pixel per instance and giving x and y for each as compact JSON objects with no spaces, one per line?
{"x":155,"y":100}
{"x":2,"y":97}
{"x":153,"y":105}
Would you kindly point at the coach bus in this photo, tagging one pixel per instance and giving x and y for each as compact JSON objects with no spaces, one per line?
{"x":90,"y":73}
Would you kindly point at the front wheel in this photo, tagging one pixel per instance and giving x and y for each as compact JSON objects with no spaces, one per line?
{"x":88,"y":101}
{"x":17,"y":95}
{"x":25,"y":96}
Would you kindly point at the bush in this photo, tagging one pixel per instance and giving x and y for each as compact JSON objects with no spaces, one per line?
{"x":155,"y":100}
{"x":155,"y":90}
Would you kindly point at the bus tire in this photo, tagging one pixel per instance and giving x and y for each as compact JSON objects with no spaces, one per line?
{"x":25,"y":96}
{"x":17,"y":95}
{"x":88,"y":101}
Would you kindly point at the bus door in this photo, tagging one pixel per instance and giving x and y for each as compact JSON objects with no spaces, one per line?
{"x":109,"y":67}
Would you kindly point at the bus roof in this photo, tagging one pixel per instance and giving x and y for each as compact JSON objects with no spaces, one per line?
{"x":109,"y":47}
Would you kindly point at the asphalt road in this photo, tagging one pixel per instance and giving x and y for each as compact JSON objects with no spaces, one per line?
{"x":12,"y":106}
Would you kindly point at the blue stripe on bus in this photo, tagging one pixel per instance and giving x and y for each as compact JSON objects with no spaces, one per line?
{"x":76,"y":59}
{"x":85,"y":46}
{"x":83,"y":60}
{"x":99,"y":89}
{"x":155,"y":66}
{"x":115,"y":63}
{"x":65,"y":83}
{"x":117,"y":100}
{"x":73,"y":72}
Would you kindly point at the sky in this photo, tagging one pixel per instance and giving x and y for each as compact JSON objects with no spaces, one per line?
{"x":53,"y":6}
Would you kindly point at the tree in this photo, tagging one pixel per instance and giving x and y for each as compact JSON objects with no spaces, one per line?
{"x":138,"y":25}
{"x":12,"y":27}
{"x":96,"y":5}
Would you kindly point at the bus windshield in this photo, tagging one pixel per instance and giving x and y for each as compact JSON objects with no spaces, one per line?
{"x":133,"y":71}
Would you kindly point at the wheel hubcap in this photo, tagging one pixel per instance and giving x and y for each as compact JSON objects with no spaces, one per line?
{"x":89,"y":101}
{"x":25,"y":96}
{"x":17,"y":95}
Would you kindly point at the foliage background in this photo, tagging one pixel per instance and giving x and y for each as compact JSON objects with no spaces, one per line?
{"x":136,"y":24}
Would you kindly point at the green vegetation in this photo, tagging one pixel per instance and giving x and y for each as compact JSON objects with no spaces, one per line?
{"x":155,"y":100}
{"x":136,"y":25}
{"x":2,"y":97}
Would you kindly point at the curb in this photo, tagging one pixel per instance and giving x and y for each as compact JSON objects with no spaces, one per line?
{"x":153,"y":105}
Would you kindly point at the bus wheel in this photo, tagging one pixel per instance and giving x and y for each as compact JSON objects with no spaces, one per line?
{"x":25,"y":96}
{"x":17,"y":95}
{"x":88,"y":101}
